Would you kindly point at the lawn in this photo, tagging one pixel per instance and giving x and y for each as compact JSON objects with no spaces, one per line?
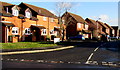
{"x":22,"y":45}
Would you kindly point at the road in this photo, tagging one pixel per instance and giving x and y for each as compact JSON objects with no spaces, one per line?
{"x":84,"y":55}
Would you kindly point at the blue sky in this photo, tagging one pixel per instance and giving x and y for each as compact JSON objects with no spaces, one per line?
{"x":107,"y":11}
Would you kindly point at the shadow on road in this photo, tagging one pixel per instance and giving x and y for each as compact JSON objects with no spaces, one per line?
{"x":112,"y":46}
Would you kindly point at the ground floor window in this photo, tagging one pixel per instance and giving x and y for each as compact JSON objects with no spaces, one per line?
{"x":43,"y":32}
{"x":52,"y":32}
{"x":15,"y":30}
{"x":27,"y":31}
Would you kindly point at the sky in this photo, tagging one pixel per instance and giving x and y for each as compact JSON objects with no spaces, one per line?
{"x":107,"y":11}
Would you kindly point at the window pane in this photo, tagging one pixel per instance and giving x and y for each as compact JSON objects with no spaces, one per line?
{"x":13,"y":31}
{"x":26,"y":31}
{"x":16,"y":31}
{"x":44,"y":18}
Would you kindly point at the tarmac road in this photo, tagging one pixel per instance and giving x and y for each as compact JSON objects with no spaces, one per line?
{"x":84,"y":55}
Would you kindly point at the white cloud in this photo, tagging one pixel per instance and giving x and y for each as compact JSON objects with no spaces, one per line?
{"x":104,"y":17}
{"x":113,"y":22}
{"x":67,"y":4}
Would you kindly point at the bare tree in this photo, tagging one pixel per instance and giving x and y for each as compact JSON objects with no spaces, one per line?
{"x":62,"y":7}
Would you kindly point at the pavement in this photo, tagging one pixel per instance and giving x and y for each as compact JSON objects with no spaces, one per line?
{"x":34,"y":50}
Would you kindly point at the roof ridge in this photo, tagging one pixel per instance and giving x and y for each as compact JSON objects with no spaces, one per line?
{"x":77,"y":17}
{"x":73,"y":14}
{"x":31,"y":6}
{"x":91,"y":19}
{"x":9,"y":4}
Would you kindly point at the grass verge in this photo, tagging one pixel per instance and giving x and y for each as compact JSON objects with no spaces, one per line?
{"x":23,"y":45}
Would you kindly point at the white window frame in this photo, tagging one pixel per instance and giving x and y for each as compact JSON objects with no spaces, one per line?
{"x":52,"y":19}
{"x":15,"y":12}
{"x":63,"y":21}
{"x":52,"y":32}
{"x":28,"y":31}
{"x":16,"y":30}
{"x":79,"y":25}
{"x":113,"y":31}
{"x":86,"y":27}
{"x":43,"y":32}
{"x":44,"y":18}
{"x":28,"y":14}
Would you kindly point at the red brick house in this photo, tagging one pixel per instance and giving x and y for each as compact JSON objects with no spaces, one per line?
{"x":102,"y":28}
{"x":116,"y":31}
{"x":92,"y":27}
{"x":111,"y":30}
{"x":98,"y":28}
{"x":26,"y":22}
{"x":75,"y":25}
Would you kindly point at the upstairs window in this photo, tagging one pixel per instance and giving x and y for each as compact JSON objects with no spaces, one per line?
{"x":44,"y":32}
{"x":44,"y":18}
{"x":15,"y":12}
{"x":86,"y":26}
{"x":52,"y":20}
{"x":63,"y":21}
{"x":28,"y":13}
{"x":15,"y":30}
{"x":27,"y":31}
{"x":79,"y":25}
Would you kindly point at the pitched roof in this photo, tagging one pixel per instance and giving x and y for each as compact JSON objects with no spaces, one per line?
{"x":3,"y":5}
{"x":92,"y":24}
{"x":115,"y":27}
{"x":78,"y":18}
{"x":92,"y":21}
{"x":108,"y":26}
{"x":101,"y":23}
{"x":40,"y":10}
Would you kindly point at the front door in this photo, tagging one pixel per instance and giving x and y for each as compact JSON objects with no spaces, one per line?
{"x":28,"y":38}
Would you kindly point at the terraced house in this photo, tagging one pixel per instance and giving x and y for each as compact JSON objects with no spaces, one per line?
{"x":25,"y":22}
{"x":102,"y":29}
{"x":75,"y":25}
{"x":111,"y":30}
{"x":92,"y":27}
{"x":99,"y":28}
